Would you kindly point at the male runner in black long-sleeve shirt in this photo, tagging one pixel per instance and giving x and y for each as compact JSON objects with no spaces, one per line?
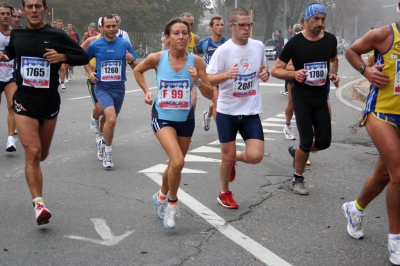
{"x":39,"y":50}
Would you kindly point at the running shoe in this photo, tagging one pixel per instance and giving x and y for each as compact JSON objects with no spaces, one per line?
{"x":11,"y":145}
{"x":169,"y":220}
{"x":284,"y":93}
{"x":206,"y":121}
{"x":288,"y":130}
{"x":394,"y":250}
{"x":107,"y":160}
{"x":100,"y":149}
{"x":62,"y":86}
{"x":226,"y":200}
{"x":42,"y":214}
{"x":298,"y":187}
{"x":353,"y":221}
{"x":94,"y":124}
{"x":161,"y":205}
{"x":233,"y":173}
{"x":292,"y":151}
{"x":66,"y":80}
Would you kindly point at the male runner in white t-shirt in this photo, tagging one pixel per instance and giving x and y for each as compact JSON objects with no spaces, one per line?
{"x":237,"y":67}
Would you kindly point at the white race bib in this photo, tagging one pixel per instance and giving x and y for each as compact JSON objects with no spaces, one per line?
{"x":316,"y":73}
{"x":243,"y":85}
{"x":174,"y":94}
{"x":111,"y":70}
{"x":396,"y":89}
{"x":35,"y":72}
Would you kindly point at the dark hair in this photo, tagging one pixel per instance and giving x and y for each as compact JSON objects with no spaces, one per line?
{"x":279,"y":31}
{"x":109,"y":16}
{"x":43,"y":2}
{"x":302,"y":18}
{"x":216,"y":17}
{"x":237,"y":12}
{"x":5,"y":5}
{"x":174,"y":21}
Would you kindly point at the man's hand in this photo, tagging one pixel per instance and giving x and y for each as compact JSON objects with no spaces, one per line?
{"x":300,"y":75}
{"x":375,"y":76}
{"x":263,"y":74}
{"x":4,"y":57}
{"x":54,"y":57}
{"x":335,"y":79}
{"x":128,"y":57}
{"x":233,"y":72}
{"x":92,"y":77}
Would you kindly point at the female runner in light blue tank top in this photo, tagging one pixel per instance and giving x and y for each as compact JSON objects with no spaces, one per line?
{"x":172,"y":112}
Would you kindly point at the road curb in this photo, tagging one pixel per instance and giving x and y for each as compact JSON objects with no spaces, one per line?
{"x":360,"y":94}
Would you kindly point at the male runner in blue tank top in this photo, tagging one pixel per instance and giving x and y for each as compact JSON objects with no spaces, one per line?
{"x":208,"y":46}
{"x":112,"y":54}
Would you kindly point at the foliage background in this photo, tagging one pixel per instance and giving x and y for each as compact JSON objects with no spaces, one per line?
{"x":144,"y":20}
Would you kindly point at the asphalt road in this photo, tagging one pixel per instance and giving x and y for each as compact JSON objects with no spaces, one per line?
{"x":106,"y":217}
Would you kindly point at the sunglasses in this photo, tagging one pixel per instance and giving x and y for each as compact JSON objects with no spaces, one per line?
{"x":242,"y":25}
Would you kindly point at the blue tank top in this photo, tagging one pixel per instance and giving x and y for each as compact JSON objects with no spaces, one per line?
{"x":173,"y":101}
{"x":209,"y":47}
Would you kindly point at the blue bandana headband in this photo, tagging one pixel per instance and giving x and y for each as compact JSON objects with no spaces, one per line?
{"x":314,"y":9}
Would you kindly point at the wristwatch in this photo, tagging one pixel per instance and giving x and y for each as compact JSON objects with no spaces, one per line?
{"x":199,"y":83}
{"x":362,"y":69}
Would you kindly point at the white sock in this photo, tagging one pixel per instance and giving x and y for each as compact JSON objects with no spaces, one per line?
{"x":394,"y":237}
{"x":37,"y":199}
{"x":355,"y":210}
{"x":108,"y":149}
{"x":10,"y":138}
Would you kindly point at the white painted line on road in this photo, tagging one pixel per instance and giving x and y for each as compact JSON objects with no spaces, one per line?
{"x":85,"y":97}
{"x":195,"y":158}
{"x":272,"y":84}
{"x":341,"y":99}
{"x":207,"y":149}
{"x":109,"y":239}
{"x":257,"y":250}
{"x":266,"y":124}
{"x":273,"y":119}
{"x":159,"y":168}
{"x":272,"y":131}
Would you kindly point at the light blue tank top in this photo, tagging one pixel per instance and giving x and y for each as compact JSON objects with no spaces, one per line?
{"x":173,"y":101}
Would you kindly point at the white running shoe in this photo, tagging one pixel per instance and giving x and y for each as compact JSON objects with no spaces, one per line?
{"x":171,"y":212}
{"x":206,"y":121}
{"x":107,"y":160}
{"x":101,"y":145}
{"x":66,"y":80}
{"x":94,"y":124}
{"x":62,"y":86}
{"x":288,"y":130}
{"x":42,"y":214}
{"x":11,"y":145}
{"x":353,"y":221}
{"x":161,"y":205}
{"x":394,"y":250}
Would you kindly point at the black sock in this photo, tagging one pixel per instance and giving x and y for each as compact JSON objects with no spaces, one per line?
{"x":298,"y":178}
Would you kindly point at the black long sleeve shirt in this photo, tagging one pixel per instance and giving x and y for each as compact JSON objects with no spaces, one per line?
{"x":27,"y":43}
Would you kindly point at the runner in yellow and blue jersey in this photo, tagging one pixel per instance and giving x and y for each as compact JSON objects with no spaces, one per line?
{"x":382,"y":122}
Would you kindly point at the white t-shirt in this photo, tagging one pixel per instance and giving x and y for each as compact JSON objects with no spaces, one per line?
{"x":123,"y":34}
{"x":6,"y":68}
{"x":240,"y":96}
